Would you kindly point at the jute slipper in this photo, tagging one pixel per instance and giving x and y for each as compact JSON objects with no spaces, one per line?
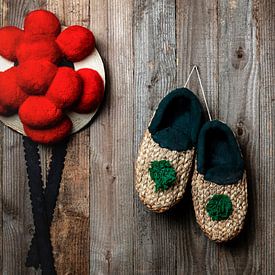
{"x":167,"y":150}
{"x":219,"y":186}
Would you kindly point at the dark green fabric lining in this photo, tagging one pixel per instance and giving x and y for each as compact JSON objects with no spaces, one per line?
{"x":218,"y":155}
{"x":177,"y":121}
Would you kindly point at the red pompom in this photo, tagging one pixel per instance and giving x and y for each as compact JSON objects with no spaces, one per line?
{"x":42,"y":22}
{"x":11,"y":95}
{"x":35,"y":77}
{"x":76,"y":43}
{"x":66,"y":88}
{"x":51,"y":135}
{"x":93,"y":91}
{"x":38,"y":112}
{"x":37,"y":48}
{"x":9,"y":39}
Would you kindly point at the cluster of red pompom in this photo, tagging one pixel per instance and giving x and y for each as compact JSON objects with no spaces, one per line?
{"x":40,"y":91}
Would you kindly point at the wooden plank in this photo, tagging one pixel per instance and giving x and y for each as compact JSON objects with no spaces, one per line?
{"x":101,"y":171}
{"x":239,"y":108}
{"x":111,"y":143}
{"x":154,"y":30}
{"x":196,"y":45}
{"x":3,"y":12}
{"x":197,"y":32}
{"x":17,"y":217}
{"x":264,"y":15}
{"x":13,"y":200}
{"x":70,"y":229}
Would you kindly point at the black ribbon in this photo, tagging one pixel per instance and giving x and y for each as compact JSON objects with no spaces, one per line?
{"x":43,"y":202}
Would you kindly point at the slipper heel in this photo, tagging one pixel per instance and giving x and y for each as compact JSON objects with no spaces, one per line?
{"x":219,"y":184}
{"x":167,"y":150}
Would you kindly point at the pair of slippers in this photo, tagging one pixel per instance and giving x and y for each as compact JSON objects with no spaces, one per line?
{"x":178,"y":146}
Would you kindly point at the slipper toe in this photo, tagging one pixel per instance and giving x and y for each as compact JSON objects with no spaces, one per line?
{"x":220,"y":209}
{"x":159,"y":193}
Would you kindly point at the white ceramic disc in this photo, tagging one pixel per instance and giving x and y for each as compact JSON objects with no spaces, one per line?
{"x":79,"y":121}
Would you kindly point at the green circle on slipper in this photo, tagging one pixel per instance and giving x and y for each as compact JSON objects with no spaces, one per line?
{"x":219,"y":207}
{"x":163,"y":174}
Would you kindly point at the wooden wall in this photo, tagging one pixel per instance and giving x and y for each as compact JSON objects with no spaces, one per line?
{"x":149,"y":47}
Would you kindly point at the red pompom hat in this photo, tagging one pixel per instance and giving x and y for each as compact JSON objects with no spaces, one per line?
{"x":41,"y":91}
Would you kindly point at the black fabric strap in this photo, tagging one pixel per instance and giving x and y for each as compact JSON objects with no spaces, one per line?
{"x":51,"y":193}
{"x":39,"y":207}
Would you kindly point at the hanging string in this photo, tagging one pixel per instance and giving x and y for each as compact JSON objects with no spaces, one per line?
{"x":202,"y":89}
{"x":189,"y":76}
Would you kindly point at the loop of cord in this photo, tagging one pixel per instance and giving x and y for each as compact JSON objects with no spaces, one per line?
{"x":202,"y":89}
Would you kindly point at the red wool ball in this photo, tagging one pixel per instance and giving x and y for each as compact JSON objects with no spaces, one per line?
{"x":66,"y":88}
{"x":9,"y":39}
{"x":42,"y":22}
{"x":37,"y":48}
{"x":11,"y":95}
{"x":93,"y":91}
{"x":51,"y":135}
{"x":35,"y":77}
{"x":38,"y":112}
{"x":76,"y":43}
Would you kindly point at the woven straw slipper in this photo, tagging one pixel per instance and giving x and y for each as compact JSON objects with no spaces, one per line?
{"x":219,"y":187}
{"x":167,"y":150}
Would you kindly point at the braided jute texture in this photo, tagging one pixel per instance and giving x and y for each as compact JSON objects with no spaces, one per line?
{"x":182,"y":163}
{"x":203,"y":191}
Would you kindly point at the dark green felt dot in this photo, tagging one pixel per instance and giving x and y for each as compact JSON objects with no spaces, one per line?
{"x":219,"y":207}
{"x":163,"y":174}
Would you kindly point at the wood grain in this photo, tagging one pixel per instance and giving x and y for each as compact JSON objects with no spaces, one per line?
{"x":239,"y":108}
{"x":148,"y":48}
{"x":197,"y":31}
{"x":111,"y":143}
{"x":264,"y":15}
{"x":70,"y":228}
{"x":101,"y":143}
{"x":154,"y":75}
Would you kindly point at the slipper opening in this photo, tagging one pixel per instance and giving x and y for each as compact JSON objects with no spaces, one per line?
{"x":219,"y":158}
{"x":177,"y":121}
